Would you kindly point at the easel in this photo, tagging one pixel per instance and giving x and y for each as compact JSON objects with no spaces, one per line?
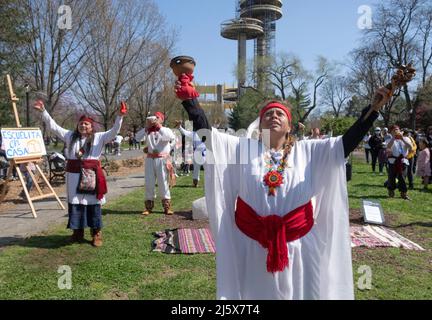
{"x":16,"y":162}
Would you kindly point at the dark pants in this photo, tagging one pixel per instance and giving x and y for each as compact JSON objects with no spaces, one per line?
{"x":392,"y":176}
{"x":410,"y":173}
{"x":367,"y":151}
{"x":374,"y":154}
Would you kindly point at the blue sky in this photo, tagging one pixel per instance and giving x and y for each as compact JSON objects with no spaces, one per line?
{"x":309,"y":28}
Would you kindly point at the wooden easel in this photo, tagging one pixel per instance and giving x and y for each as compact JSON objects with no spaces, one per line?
{"x":16,"y":162}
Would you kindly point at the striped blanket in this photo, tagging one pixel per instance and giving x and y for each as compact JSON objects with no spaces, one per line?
{"x":379,"y":236}
{"x":184,"y":241}
{"x":201,"y":241}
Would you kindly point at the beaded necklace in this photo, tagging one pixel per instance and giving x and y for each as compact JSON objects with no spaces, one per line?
{"x":274,"y":176}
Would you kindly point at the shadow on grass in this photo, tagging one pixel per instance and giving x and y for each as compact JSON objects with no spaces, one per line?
{"x":368,"y":185}
{"x":369,"y":197}
{"x":417,"y":223}
{"x":43,"y":242}
{"x":186,"y":215}
{"x":186,"y":186}
{"x":110,"y":211}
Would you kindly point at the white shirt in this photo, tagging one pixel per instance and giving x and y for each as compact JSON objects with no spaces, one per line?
{"x":400,"y":148}
{"x":100,"y":139}
{"x":118,"y":139}
{"x":157,"y":142}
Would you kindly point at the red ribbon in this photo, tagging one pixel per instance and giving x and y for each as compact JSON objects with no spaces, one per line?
{"x":273,"y":232}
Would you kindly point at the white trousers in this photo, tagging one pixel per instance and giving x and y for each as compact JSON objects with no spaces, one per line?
{"x":196,"y":170}
{"x":156,"y":169}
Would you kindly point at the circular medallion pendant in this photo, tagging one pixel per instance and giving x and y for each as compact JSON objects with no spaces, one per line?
{"x":273,"y":179}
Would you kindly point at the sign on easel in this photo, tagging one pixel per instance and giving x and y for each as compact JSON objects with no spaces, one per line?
{"x":24,"y":146}
{"x":21,"y":143}
{"x":372,"y":212}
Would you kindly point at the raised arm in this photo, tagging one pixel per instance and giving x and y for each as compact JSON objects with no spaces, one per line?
{"x":357,"y":131}
{"x":190,"y":103}
{"x":52,"y":126}
{"x":140,"y":135}
{"x":166,"y":134}
{"x":109,"y":135}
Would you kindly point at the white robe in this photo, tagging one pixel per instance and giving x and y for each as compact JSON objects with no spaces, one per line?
{"x":100,"y":139}
{"x":319,"y":263}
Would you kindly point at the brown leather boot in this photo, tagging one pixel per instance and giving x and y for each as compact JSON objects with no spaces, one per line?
{"x":97,"y":237}
{"x":404,"y":196}
{"x":166,"y":204}
{"x":149,"y":204}
{"x":77,"y":235}
{"x":195,"y":183}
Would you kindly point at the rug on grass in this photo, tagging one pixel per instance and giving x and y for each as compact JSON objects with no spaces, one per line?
{"x":184,"y":241}
{"x":379,"y":236}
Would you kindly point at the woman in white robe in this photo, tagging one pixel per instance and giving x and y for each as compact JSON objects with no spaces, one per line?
{"x":83,"y":145}
{"x":319,"y":263}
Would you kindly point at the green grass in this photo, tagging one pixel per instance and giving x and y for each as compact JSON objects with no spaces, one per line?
{"x":125,"y":267}
{"x":396,"y":273}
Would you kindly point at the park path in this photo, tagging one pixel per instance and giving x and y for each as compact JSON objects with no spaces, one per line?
{"x":18,"y":223}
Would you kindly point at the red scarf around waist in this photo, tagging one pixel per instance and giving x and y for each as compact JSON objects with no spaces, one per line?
{"x":74,"y":166}
{"x":273,"y":232}
{"x":156,"y":155}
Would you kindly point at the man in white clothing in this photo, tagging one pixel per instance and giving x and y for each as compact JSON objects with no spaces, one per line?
{"x":199,"y":150}
{"x":399,"y":147}
{"x":157,"y":164}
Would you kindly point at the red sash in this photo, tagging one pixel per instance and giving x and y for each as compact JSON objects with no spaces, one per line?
{"x":273,"y":232}
{"x":74,"y":166}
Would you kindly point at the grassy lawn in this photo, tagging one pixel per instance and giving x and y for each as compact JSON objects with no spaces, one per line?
{"x":125,"y":267}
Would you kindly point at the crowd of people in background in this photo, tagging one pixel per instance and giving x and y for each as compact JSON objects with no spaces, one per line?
{"x":404,"y":153}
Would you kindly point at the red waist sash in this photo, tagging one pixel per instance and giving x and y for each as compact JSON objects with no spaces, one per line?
{"x":273,"y":232}
{"x":157,"y":155}
{"x":74,"y":166}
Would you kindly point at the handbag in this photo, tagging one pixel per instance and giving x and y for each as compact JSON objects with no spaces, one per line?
{"x":87,"y":181}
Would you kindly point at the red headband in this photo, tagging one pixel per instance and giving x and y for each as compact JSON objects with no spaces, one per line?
{"x":277,"y":105}
{"x":86,"y":118}
{"x":393,"y":127}
{"x":160,"y":115}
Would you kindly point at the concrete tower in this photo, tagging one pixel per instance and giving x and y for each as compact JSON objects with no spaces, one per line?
{"x":241,"y":29}
{"x":267,"y":11}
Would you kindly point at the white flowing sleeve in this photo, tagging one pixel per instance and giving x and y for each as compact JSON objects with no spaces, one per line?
{"x":109,"y":135}
{"x":331,"y":212}
{"x":141,"y":135}
{"x":166,"y":134}
{"x":186,"y":133}
{"x":53,"y":127}
{"x":222,"y":184}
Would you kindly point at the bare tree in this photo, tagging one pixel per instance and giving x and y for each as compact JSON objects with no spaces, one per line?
{"x":302,"y":83}
{"x":280,"y":73}
{"x":396,"y":30}
{"x":126,"y":36}
{"x":56,"y":52}
{"x":335,"y":94}
{"x":425,"y":34}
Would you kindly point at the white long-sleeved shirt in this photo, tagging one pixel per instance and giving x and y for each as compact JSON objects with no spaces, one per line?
{"x":196,"y":140}
{"x":100,"y":139}
{"x":157,"y":142}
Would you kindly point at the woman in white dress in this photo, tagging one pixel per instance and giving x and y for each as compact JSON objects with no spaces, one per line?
{"x":85,"y":180}
{"x":278,"y":207}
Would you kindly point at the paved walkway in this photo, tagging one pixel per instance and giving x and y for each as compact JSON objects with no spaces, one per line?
{"x":18,"y":223}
